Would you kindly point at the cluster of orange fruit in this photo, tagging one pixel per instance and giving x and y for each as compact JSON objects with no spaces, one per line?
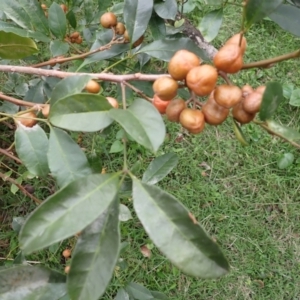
{"x":109,"y":20}
{"x":201,"y":80}
{"x":74,"y":37}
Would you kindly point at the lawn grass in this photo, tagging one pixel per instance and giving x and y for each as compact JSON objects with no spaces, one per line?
{"x":240,"y":196}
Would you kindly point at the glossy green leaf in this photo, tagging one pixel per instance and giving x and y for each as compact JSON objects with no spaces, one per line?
{"x":160,"y":167}
{"x":31,"y":147}
{"x":289,"y":134}
{"x":58,"y":48}
{"x":72,"y":18}
{"x":67,"y":162}
{"x":81,"y":112}
{"x":295,"y":98}
{"x":89,"y":10}
{"x":11,"y":27}
{"x":296,"y":2}
{"x":166,"y":9}
{"x":57,"y":20}
{"x":122,"y":295}
{"x":95,"y":256}
{"x":27,"y":14}
{"x":116,"y":147}
{"x":176,"y":233}
{"x":288,"y":89}
{"x":35,"y":93}
{"x":124,"y":214}
{"x":239,"y":134}
{"x":65,"y":213}
{"x":287,"y":17}
{"x":256,"y":10}
{"x":104,"y":38}
{"x":211,"y":24}
{"x":143,"y":122}
{"x":138,"y":291}
{"x":31,"y":283}
{"x":285,"y":161}
{"x":13,"y":46}
{"x":166,"y":48}
{"x":272,"y":97}
{"x":69,"y":86}
{"x":157,"y":27}
{"x":136,"y":17}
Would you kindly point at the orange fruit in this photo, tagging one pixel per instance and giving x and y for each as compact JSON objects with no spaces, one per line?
{"x":126,"y":36}
{"x":46,"y":110}
{"x":174,"y":109}
{"x":66,"y":253}
{"x":252,"y":102}
{"x":44,"y":6}
{"x":247,"y":89}
{"x":64,"y":8}
{"x":93,"y":87}
{"x":108,"y":20}
{"x":202,"y":79}
{"x":165,"y":88}
{"x":235,"y":40}
{"x":161,"y":105}
{"x":120,"y":28}
{"x":67,"y":269}
{"x":227,"y":95}
{"x":75,"y":35}
{"x":27,"y":119}
{"x":78,"y":40}
{"x":214,"y":113}
{"x":241,"y":115}
{"x":181,"y":63}
{"x":113,"y":102}
{"x":138,"y":41}
{"x":261,"y":89}
{"x":192,"y":120}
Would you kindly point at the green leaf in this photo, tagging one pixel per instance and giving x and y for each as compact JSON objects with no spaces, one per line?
{"x":256,"y":10}
{"x":287,"y":17}
{"x":138,"y":291}
{"x":122,"y":295}
{"x":164,"y":49}
{"x":159,"y":296}
{"x":125,"y":213}
{"x":285,"y":161}
{"x":68,"y":211}
{"x":35,"y":93}
{"x":67,"y":161}
{"x":160,"y":167}
{"x":57,"y":20}
{"x":95,"y":256}
{"x":31,"y":147}
{"x":102,"y":39}
{"x":81,"y":112}
{"x":69,"y":86}
{"x":143,"y":122}
{"x":289,"y":134}
{"x":13,"y":46}
{"x":58,"y":48}
{"x":211,"y":23}
{"x":89,"y":10}
{"x":72,"y":18}
{"x":272,"y":97}
{"x":11,"y":27}
{"x":295,"y":98}
{"x":31,"y":283}
{"x":166,"y":9}
{"x":116,"y":147}
{"x":239,"y":134}
{"x":288,"y":89}
{"x":27,"y":14}
{"x":176,"y":233}
{"x":157,"y":27}
{"x":136,"y":17}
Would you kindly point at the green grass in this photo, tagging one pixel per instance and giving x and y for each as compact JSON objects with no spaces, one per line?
{"x":249,"y":206}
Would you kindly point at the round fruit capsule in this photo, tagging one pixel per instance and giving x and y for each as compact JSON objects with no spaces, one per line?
{"x":66,"y":253}
{"x":202,"y":79}
{"x":27,"y":119}
{"x":138,"y":41}
{"x":241,"y":115}
{"x":247,"y":89}
{"x":227,"y":95}
{"x":174,"y":109}
{"x":236,"y":40}
{"x":64,"y":8}
{"x":108,"y":20}
{"x":252,"y":102}
{"x":75,"y":35}
{"x":192,"y":120}
{"x":165,"y":88}
{"x":181,"y":63}
{"x":93,"y":87}
{"x":67,"y":269}
{"x":78,"y":40}
{"x":120,"y":28}
{"x":161,"y":105}
{"x":46,"y":110}
{"x":113,"y":102}
{"x":214,"y":113}
{"x":126,"y":37}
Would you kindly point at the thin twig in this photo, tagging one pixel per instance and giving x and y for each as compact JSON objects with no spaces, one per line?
{"x":6,"y":153}
{"x":28,"y":261}
{"x":139,"y":92}
{"x":21,"y":188}
{"x":18,"y":101}
{"x":225,"y":77}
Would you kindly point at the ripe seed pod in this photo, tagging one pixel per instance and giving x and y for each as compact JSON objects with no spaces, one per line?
{"x":113,"y":102}
{"x":202,"y":79}
{"x":165,"y":88}
{"x":126,"y":37}
{"x":108,"y":20}
{"x":241,"y":115}
{"x":227,"y":95}
{"x":261,"y":89}
{"x":138,"y":41}
{"x":67,"y":269}
{"x":27,"y":119}
{"x":161,"y":105}
{"x":229,"y":59}
{"x":247,"y":89}
{"x":44,"y":6}
{"x":75,"y":35}
{"x":93,"y":87}
{"x":181,"y":63}
{"x":120,"y":28}
{"x":46,"y":110}
{"x":66,"y":253}
{"x":174,"y":109}
{"x":235,"y":40}
{"x":252,"y":102}
{"x":214,"y":113}
{"x":192,"y":120}
{"x":78,"y":40}
{"x":64,"y":8}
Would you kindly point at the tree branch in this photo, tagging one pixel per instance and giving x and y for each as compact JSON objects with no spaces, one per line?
{"x":6,"y":153}
{"x":18,"y":101}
